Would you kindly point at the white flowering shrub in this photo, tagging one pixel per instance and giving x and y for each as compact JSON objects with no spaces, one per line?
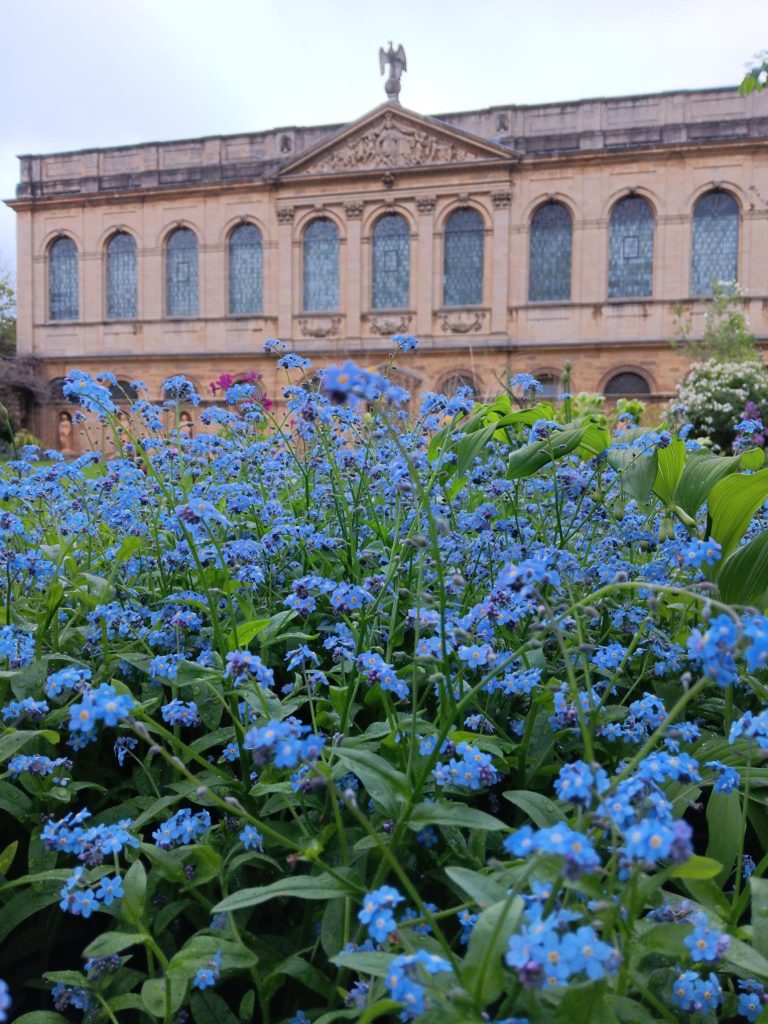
{"x":713,"y":396}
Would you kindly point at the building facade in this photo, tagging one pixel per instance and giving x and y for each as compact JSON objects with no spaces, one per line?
{"x":508,"y":239}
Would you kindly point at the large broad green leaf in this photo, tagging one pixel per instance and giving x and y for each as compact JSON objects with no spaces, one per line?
{"x":246,"y":631}
{"x":542,"y":811}
{"x":732,"y":503}
{"x":375,"y":964}
{"x":743,"y":578}
{"x":303,"y":887}
{"x":134,"y":891}
{"x":153,"y":995}
{"x":12,"y":742}
{"x":209,"y":1008}
{"x":482,"y":970}
{"x":702,"y":471}
{"x":201,"y":949}
{"x":595,"y":440}
{"x":455,"y":815}
{"x":41,"y":1017}
{"x":759,"y":887}
{"x":724,"y":826}
{"x":638,"y":470}
{"x":483,"y":889}
{"x":532,"y":457}
{"x":746,"y":960}
{"x":384,"y":783}
{"x":112,"y":942}
{"x":698,"y":868}
{"x":670,"y":465}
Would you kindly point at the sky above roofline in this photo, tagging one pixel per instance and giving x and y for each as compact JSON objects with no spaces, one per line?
{"x":88,"y":74}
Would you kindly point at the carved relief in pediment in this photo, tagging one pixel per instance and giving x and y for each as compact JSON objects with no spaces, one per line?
{"x":393,"y":142}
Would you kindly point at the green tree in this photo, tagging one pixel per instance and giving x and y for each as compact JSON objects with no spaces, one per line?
{"x":7,"y":314}
{"x":756,"y":79}
{"x":726,"y":336}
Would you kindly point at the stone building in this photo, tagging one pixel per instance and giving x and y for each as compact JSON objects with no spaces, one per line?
{"x":512,"y":238}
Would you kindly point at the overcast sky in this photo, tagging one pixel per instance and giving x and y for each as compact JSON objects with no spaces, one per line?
{"x":80,"y":73}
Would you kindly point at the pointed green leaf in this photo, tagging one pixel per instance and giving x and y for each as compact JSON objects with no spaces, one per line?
{"x":455,"y":815}
{"x":303,"y":887}
{"x":671,"y":462}
{"x":743,"y":578}
{"x":732,"y":503}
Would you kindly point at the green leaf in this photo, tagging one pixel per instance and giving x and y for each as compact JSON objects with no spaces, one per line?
{"x":724,"y":821}
{"x":582,"y":1003}
{"x":732,"y":503}
{"x":455,"y":815}
{"x":304,"y":887}
{"x":112,"y":942}
{"x":542,"y":811}
{"x":382,"y":780}
{"x":14,"y":740}
{"x":14,"y":801}
{"x":743,"y":578}
{"x":532,"y":457}
{"x":483,"y":889}
{"x":638,"y":471}
{"x":134,"y":891}
{"x":697,"y":868}
{"x":383,"y":1008}
{"x":247,"y":1004}
{"x":246,"y":631}
{"x":594,"y":441}
{"x":670,"y":465}
{"x":25,"y":903}
{"x":40,"y":1017}
{"x":747,"y":961}
{"x":374,"y":964}
{"x":153,"y":995}
{"x":200,"y":949}
{"x":7,"y":856}
{"x":301,"y":971}
{"x":759,"y":887}
{"x":209,"y":1008}
{"x":702,"y":471}
{"x":482,"y":968}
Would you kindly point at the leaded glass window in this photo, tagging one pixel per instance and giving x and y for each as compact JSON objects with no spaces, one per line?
{"x":121,"y":276}
{"x":63,"y":288}
{"x":627,"y":383}
{"x":463,"y":265}
{"x":630,"y":260}
{"x":321,"y":266}
{"x":391,"y":262}
{"x":551,"y":244}
{"x":551,"y":385}
{"x":181,"y":273}
{"x":246,"y":270}
{"x":715,"y":254}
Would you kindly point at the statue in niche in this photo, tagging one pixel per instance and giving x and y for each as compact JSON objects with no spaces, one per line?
{"x":66,"y":433}
{"x":186,"y":426}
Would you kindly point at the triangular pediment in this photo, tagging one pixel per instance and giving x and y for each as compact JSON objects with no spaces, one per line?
{"x":393,"y":138}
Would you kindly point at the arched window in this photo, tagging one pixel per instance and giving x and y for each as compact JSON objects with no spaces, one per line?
{"x":627,"y":383}
{"x":551,"y":385}
{"x":63,"y":288}
{"x":450,"y":384}
{"x":630,"y":261}
{"x":715,"y":251}
{"x":391,"y":263}
{"x":121,"y":276}
{"x":246,"y":270}
{"x":463,"y":263}
{"x":550,"y":260}
{"x":181,"y":273}
{"x":321,"y":266}
{"x":123,"y":392}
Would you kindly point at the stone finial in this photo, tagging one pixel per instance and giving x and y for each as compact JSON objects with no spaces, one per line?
{"x":396,"y":60}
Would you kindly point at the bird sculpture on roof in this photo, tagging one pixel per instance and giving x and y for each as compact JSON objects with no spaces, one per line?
{"x":396,"y":60}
